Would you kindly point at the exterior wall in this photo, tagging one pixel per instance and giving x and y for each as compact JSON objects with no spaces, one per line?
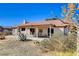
{"x":24,"y":32}
{"x":15,"y":31}
{"x":44,"y":33}
{"x":27,"y":31}
{"x":59,"y":30}
{"x":62,"y":29}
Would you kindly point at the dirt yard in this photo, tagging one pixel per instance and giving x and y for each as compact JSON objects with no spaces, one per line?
{"x":12,"y":47}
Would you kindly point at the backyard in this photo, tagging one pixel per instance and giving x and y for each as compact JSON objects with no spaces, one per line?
{"x":12,"y":47}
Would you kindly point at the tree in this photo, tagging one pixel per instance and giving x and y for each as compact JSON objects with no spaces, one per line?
{"x":71,"y":13}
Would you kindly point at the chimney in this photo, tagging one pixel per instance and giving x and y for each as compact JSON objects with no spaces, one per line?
{"x":24,"y":22}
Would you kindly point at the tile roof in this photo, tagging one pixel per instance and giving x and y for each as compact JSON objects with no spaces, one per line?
{"x":48,"y":22}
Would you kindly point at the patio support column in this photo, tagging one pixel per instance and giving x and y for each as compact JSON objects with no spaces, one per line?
{"x":36,"y":32}
{"x":50,"y":32}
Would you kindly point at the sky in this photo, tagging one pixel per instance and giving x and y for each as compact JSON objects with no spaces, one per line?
{"x":12,"y":14}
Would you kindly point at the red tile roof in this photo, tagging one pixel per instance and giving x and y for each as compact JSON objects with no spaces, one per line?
{"x":48,"y":22}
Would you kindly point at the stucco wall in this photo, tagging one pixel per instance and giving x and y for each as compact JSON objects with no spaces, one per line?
{"x":59,"y":30}
{"x":45,"y":31}
{"x":27,"y":31}
{"x":14,"y":31}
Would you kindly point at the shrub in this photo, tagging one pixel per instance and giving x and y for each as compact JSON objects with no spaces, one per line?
{"x":22,"y":37}
{"x":7,"y":32}
{"x":70,"y":43}
{"x":60,"y":42}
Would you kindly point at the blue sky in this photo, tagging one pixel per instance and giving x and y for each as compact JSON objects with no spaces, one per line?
{"x":14,"y":14}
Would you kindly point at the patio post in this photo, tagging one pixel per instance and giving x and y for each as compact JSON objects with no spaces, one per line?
{"x":36,"y":32}
{"x":50,"y":31}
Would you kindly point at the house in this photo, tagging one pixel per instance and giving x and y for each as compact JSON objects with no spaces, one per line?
{"x":43,"y":29}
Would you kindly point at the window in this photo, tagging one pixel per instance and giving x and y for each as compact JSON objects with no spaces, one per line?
{"x":23,"y":29}
{"x":52,"y":31}
{"x":65,"y":30}
{"x":32,"y":31}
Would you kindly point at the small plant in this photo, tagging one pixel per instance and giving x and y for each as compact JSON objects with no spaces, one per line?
{"x":36,"y":42}
{"x":22,"y":37}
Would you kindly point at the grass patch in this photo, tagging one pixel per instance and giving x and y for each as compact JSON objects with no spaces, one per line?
{"x":62,"y":54}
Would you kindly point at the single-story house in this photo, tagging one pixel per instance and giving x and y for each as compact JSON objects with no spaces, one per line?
{"x":43,"y":29}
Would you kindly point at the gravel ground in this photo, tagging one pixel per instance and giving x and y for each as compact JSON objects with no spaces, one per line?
{"x":13,"y":47}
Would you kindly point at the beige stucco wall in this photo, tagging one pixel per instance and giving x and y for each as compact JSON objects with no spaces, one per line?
{"x":59,"y":30}
{"x":24,"y":32}
{"x":27,"y":31}
{"x":14,"y":31}
{"x":62,"y":29}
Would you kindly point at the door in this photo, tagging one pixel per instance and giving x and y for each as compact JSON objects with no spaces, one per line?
{"x":52,"y":31}
{"x":32,"y":31}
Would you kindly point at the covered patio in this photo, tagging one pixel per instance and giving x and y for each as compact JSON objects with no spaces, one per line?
{"x":42,"y":31}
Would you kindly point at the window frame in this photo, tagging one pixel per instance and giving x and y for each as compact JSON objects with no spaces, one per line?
{"x":23,"y":29}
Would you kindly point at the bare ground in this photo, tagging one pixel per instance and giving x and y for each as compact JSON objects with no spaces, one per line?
{"x":12,"y":47}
